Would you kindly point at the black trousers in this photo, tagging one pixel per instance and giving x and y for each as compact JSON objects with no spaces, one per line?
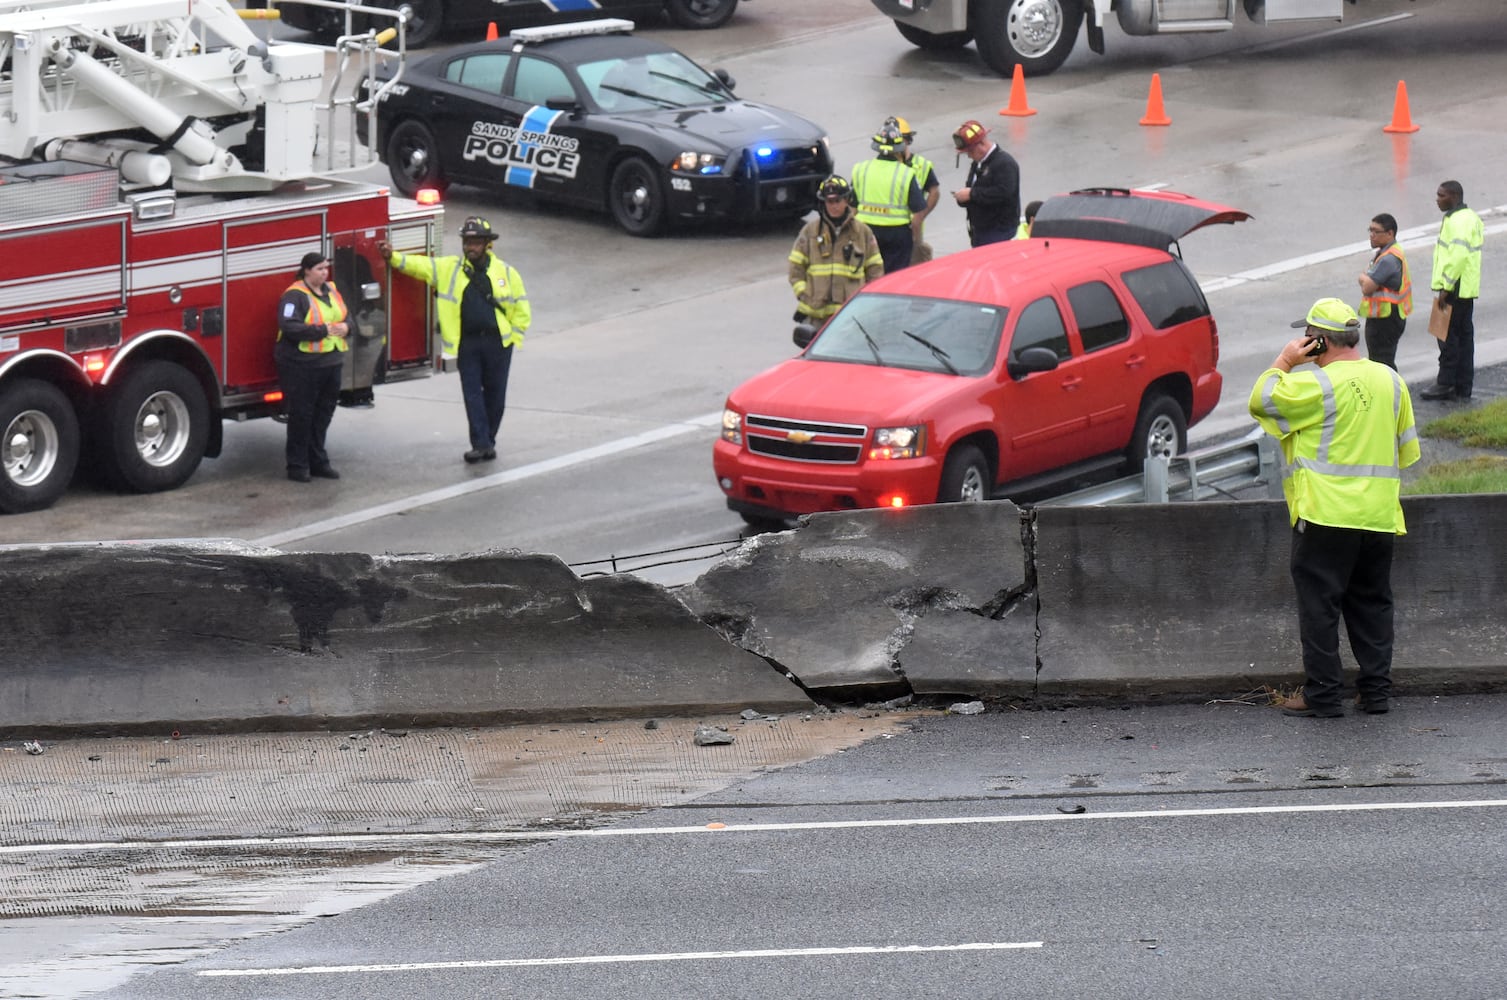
{"x":1382,"y":335}
{"x":310,"y":394}
{"x":895,"y":245}
{"x":1343,"y":572}
{"x":1457,"y":351}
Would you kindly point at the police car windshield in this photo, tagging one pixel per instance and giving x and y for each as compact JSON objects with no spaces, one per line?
{"x":653,"y":80}
{"x":901,"y":331}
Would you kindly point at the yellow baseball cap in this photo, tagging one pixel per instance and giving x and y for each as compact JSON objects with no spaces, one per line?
{"x":1333,"y":315}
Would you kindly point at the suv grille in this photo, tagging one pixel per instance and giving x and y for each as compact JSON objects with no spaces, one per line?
{"x":805,"y":441}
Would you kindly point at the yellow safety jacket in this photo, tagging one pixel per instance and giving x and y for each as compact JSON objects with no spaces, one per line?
{"x":1379,"y":304}
{"x":1457,"y":257}
{"x":446,"y":274}
{"x":1346,"y":432}
{"x":320,"y":314}
{"x":883,"y":189}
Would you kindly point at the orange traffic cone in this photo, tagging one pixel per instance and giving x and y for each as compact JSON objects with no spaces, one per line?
{"x":1402,"y":119}
{"x":491,"y":31}
{"x":1018,"y":108}
{"x":1155,"y":113}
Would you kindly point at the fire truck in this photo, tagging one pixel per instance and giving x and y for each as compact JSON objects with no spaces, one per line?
{"x":162,"y":171}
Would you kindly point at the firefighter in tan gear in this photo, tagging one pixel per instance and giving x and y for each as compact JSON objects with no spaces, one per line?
{"x":1346,"y":430}
{"x":833,"y":255}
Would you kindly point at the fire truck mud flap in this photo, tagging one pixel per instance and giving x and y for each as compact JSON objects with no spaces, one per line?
{"x":154,"y":428}
{"x":39,"y":445}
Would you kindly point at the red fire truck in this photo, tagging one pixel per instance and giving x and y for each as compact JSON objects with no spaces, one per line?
{"x":162,"y":171}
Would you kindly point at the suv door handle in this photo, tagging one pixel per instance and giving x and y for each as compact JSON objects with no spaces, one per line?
{"x":1135,"y":361}
{"x":1071,"y":382}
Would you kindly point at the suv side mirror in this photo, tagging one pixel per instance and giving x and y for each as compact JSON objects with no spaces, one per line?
{"x":805,"y":333}
{"x":1032,"y":359}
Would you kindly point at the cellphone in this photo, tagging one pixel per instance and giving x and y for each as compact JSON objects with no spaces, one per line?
{"x":1320,"y":345}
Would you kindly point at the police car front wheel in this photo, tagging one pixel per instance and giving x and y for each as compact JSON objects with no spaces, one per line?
{"x":413,"y":159}
{"x":637,"y":197}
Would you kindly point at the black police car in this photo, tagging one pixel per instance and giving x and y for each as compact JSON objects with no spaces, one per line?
{"x":592,"y":115}
{"x":430,"y":17}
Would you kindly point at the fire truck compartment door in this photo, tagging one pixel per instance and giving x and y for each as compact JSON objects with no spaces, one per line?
{"x":62,"y":273}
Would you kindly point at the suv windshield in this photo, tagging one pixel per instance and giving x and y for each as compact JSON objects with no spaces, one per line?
{"x":901,"y":331}
{"x":653,"y":80}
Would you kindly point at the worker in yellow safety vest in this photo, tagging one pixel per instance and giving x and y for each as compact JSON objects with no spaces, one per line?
{"x":313,"y":325}
{"x":1456,"y":284}
{"x":1346,"y":431}
{"x":1386,"y":292}
{"x":888,"y":196}
{"x":931,"y":188}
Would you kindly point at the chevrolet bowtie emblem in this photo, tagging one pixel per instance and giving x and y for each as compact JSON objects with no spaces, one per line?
{"x":799,"y":437}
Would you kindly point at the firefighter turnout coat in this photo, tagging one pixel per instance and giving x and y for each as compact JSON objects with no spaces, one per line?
{"x":829,"y":263}
{"x":449,"y":275}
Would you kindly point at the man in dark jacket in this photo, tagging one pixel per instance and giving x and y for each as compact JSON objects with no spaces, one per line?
{"x":992,"y":195}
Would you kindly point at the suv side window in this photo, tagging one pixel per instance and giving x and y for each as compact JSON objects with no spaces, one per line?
{"x":480,"y":72}
{"x":1166,"y":293}
{"x":1101,"y":321}
{"x":538,"y":81}
{"x":1040,"y":325}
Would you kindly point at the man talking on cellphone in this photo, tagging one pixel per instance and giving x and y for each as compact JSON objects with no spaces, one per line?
{"x":1346,"y":431}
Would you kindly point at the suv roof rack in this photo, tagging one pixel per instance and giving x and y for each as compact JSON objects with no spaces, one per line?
{"x":550,"y":32}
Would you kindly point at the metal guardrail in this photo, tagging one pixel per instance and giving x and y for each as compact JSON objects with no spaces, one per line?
{"x":1213,"y":472}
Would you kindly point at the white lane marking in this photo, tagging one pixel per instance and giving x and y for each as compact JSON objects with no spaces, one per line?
{"x":485,"y":836}
{"x":604,"y":450}
{"x":1415,"y":237}
{"x":684,"y":956}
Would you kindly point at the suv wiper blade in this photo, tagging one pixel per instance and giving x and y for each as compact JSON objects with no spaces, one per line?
{"x":936,"y":351}
{"x":873,"y":347}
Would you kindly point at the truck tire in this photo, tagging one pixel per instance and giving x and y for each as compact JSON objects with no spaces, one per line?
{"x":1035,"y":35}
{"x":701,"y":13}
{"x":39,"y":445}
{"x":939,"y":42}
{"x":413,"y":158}
{"x":1160,"y":430}
{"x":153,"y":428}
{"x":637,"y":197}
{"x":965,"y":476}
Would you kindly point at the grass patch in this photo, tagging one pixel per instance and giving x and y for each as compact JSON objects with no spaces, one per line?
{"x":1479,"y":427}
{"x":1482,"y":474}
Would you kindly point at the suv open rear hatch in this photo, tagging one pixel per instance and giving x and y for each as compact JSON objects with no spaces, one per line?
{"x":1155,"y":219}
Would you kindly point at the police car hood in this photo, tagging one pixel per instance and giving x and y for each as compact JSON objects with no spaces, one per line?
{"x":1153,"y":219}
{"x":729,"y":126}
{"x":843,"y":392}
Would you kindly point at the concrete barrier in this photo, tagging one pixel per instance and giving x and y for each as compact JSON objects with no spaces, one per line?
{"x":974,"y":600}
{"x":153,"y":637}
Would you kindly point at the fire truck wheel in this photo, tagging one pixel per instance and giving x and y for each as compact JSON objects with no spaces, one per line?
{"x":1035,"y":35}
{"x":413,"y":158}
{"x":965,"y":477}
{"x":39,"y":445}
{"x":155,"y":426}
{"x":637,"y":196}
{"x":1161,"y":430}
{"x":701,"y":13}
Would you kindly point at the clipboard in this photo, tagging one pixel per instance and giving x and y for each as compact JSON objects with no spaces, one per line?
{"x":1439,"y":320}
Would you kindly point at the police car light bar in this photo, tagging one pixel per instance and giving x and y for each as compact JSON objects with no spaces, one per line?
{"x":549,"y":32}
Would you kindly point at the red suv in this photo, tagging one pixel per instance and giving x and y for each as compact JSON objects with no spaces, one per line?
{"x":956,"y":379}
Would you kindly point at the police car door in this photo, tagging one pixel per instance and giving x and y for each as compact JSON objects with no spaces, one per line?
{"x":468,"y":124}
{"x":550,"y":146}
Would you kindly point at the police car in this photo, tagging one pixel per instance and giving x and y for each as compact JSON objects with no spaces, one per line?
{"x":593,"y":115}
{"x":429,"y":17}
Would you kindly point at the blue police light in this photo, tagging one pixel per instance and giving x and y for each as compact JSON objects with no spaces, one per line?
{"x":764,"y":152}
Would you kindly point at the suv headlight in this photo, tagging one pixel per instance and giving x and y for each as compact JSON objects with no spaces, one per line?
{"x":698,"y":163}
{"x":899,"y":442}
{"x":732,"y":426}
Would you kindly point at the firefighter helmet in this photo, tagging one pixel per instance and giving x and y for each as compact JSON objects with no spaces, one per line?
{"x":969,"y":134}
{"x":477,"y":226}
{"x":907,"y":133}
{"x":836,"y":187}
{"x":887,"y":138}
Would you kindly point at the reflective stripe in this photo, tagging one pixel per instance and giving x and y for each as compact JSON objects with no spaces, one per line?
{"x":1379,"y":303}
{"x":1270,"y":408}
{"x":1347,"y":471}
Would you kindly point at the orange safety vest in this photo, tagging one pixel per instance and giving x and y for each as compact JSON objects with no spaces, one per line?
{"x":320,"y":314}
{"x":1380,"y":303}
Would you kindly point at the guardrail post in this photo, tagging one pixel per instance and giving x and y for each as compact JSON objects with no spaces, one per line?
{"x":1271,"y":466}
{"x":1154,"y":476}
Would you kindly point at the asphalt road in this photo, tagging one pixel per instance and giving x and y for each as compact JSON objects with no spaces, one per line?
{"x":606,"y":447}
{"x":1180,"y":852}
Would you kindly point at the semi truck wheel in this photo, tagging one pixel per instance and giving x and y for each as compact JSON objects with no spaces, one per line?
{"x":39,"y":445}
{"x":154,"y":428}
{"x":1035,"y":35}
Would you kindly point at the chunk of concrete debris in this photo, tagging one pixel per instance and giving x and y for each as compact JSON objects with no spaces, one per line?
{"x":710,"y":736}
{"x":966,"y":708}
{"x":749,"y":714}
{"x":32,"y":747}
